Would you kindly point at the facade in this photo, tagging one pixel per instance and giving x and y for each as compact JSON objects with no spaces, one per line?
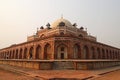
{"x":60,"y":40}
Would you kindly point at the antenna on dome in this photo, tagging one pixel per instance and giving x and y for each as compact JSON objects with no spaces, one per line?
{"x":61,"y":16}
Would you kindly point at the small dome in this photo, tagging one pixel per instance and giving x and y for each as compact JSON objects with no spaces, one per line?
{"x":59,"y":21}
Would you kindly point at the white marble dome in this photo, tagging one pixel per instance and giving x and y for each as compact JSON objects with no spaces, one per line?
{"x":57,"y":22}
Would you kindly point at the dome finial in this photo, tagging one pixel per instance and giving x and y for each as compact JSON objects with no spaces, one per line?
{"x":61,"y":16}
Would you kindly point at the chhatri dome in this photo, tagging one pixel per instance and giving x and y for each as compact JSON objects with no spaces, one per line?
{"x":62,"y":22}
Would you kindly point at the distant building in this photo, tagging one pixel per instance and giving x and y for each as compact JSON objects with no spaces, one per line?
{"x":61,"y":40}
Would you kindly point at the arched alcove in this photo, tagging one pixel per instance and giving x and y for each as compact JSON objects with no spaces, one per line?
{"x":110,"y":54}
{"x":13,"y":53}
{"x":76,"y":51}
{"x":38,"y":52}
{"x":16,"y":55}
{"x":31,"y":53}
{"x":47,"y":51}
{"x":93,"y":53}
{"x":85,"y":52}
{"x":25,"y":53}
{"x":107,"y":55}
{"x":98,"y":53}
{"x":103,"y":54}
{"x":20,"y":54}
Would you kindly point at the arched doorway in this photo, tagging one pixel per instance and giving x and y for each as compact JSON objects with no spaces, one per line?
{"x":85,"y":52}
{"x":38,"y":52}
{"x":31,"y":53}
{"x":47,"y":52}
{"x":76,"y":51}
{"x":62,"y":52}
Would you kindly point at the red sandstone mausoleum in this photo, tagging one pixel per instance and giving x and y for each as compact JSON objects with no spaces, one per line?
{"x":61,"y":45}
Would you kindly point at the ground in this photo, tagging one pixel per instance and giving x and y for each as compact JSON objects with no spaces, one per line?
{"x":16,"y":73}
{"x":8,"y":75}
{"x":115,"y":75}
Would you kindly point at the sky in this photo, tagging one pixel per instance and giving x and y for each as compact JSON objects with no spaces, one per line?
{"x":20,"y":18}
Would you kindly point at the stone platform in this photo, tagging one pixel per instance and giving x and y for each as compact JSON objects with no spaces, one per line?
{"x":61,"y":64}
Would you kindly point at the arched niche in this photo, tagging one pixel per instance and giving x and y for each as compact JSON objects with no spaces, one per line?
{"x":103,"y":54}
{"x":93,"y":52}
{"x":85,"y":52}
{"x":38,"y":52}
{"x":16,"y":55}
{"x":31,"y":53}
{"x":20,"y":54}
{"x":47,"y":51}
{"x":76,"y":51}
{"x":98,"y":53}
{"x":25,"y":53}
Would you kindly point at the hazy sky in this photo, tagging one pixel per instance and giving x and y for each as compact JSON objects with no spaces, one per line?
{"x":20,"y":18}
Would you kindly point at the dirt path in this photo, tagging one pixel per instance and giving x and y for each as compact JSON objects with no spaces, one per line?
{"x":7,"y":75}
{"x":115,"y":75}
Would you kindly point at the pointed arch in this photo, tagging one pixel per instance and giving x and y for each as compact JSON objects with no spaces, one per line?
{"x":20,"y":54}
{"x":113,"y":54}
{"x":85,"y":52}
{"x":38,"y":52}
{"x":31,"y":53}
{"x":107,"y":55}
{"x":10,"y":54}
{"x":47,"y":51}
{"x":16,"y":55}
{"x":62,"y":51}
{"x":110,"y":54}
{"x":93,"y":52}
{"x":103,"y":54}
{"x":25,"y":53}
{"x":98,"y":53}
{"x":76,"y":51}
{"x":7,"y":55}
{"x":4,"y":55}
{"x":118,"y":55}
{"x":13,"y":54}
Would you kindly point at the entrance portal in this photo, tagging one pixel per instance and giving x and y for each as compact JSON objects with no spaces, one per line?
{"x":62,"y":52}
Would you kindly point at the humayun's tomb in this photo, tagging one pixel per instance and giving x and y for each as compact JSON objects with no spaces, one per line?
{"x":61,"y":45}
